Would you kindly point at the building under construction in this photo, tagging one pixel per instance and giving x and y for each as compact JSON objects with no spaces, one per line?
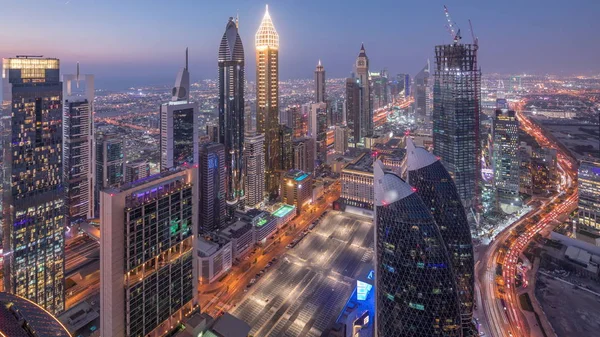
{"x":456,"y":109}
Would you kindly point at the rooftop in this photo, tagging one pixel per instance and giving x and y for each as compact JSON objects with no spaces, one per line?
{"x":18,"y":314}
{"x":283,"y":210}
{"x":237,"y":229}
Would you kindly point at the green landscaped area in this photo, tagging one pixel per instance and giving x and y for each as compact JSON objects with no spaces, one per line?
{"x":283,"y":211}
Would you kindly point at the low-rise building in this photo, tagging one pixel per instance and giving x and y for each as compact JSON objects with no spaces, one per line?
{"x":264,"y":224}
{"x":284,"y":214}
{"x":214,"y":258}
{"x":241,"y":235}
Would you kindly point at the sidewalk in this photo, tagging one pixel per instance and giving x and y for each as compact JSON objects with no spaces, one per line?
{"x":531,"y":319}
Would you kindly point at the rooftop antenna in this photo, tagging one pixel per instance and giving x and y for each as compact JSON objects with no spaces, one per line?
{"x":77,"y":74}
{"x":186,"y":58}
{"x":237,"y":19}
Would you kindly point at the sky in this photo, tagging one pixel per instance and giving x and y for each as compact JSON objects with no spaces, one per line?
{"x":135,"y":42}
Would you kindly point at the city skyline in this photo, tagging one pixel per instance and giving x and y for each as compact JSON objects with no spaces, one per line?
{"x":140,"y":57}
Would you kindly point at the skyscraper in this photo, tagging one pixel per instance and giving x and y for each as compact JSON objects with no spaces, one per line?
{"x":353,"y":109}
{"x":456,"y":108}
{"x":286,"y":160}
{"x":505,"y":159}
{"x":304,"y":154}
{"x":231,"y":112}
{"x":432,"y":182}
{"x":267,"y":98}
{"x":341,"y":139}
{"x":366,"y":103}
{"x":179,"y":129}
{"x":33,"y":221}
{"x":255,"y":169}
{"x":110,"y":164}
{"x":147,"y":278}
{"x":415,"y":291}
{"x":211,"y":201}
{"x":317,"y":129}
{"x":421,"y":93}
{"x":588,"y":181}
{"x":379,"y":82}
{"x":78,"y":150}
{"x":320,"y":83}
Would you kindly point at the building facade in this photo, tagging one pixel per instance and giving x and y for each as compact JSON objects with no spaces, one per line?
{"x":320,"y":83}
{"x":214,"y":258}
{"x":147,"y":277}
{"x":267,"y":98}
{"x":211,"y":200}
{"x":435,"y":187}
{"x":415,"y":291}
{"x":78,"y":149}
{"x":456,"y":109}
{"x":255,"y":169}
{"x":286,"y":161}
{"x":588,"y":181}
{"x":179,"y":129}
{"x":33,"y":201}
{"x":318,"y":130}
{"x":110,"y":164}
{"x":20,"y":316}
{"x":231,"y":112}
{"x":341,"y":139}
{"x":505,"y":158}
{"x":353,"y":109}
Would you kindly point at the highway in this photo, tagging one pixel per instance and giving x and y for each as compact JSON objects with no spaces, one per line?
{"x":499,"y":299}
{"x":239,"y":277}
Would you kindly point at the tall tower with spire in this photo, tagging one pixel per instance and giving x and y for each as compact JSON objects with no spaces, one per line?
{"x":320,"y":83}
{"x":231,"y":112}
{"x":366,"y":104}
{"x":267,"y":98}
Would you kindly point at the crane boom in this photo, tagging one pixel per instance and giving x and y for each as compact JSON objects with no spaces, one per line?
{"x":451,"y":25}
{"x":475,"y":40}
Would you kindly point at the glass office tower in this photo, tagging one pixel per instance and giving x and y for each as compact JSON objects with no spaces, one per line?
{"x":33,"y":199}
{"x":415,"y":287}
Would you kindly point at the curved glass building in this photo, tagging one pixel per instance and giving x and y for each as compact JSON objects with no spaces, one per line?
{"x":231,"y":112}
{"x":415,"y":288}
{"x":433,"y":184}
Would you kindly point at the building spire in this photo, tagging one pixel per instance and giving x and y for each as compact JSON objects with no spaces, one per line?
{"x":237,"y":19}
{"x":77,"y":74}
{"x":267,"y":36}
{"x":319,"y":63}
{"x":186,"y":58}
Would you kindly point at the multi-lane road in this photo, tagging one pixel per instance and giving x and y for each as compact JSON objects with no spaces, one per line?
{"x":499,"y":298}
{"x":239,"y":277}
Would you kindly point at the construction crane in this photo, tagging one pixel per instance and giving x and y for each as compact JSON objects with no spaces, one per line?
{"x":451,"y":25}
{"x":475,"y":40}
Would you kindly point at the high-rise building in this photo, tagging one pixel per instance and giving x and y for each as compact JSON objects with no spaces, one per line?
{"x":255,"y":169}
{"x":415,"y":290}
{"x":212,"y":131}
{"x":20,"y":317}
{"x":588,"y":181}
{"x":147,"y":278}
{"x":136,"y":170}
{"x":421,"y":93}
{"x":110,"y":164}
{"x":432,"y":182}
{"x":366,"y":102}
{"x":320,"y":83}
{"x":304,"y":154}
{"x":33,"y":201}
{"x":297,"y":119}
{"x":286,"y":160}
{"x":211,"y":200}
{"x":403,"y":81}
{"x":336,"y":112}
{"x":379,"y":83}
{"x":231,"y":112}
{"x":267,"y":98}
{"x":296,"y":189}
{"x":179,"y":129}
{"x":353,"y":109}
{"x":505,"y":159}
{"x":317,"y":129}
{"x":78,"y":150}
{"x":341,"y":139}
{"x":456,"y":109}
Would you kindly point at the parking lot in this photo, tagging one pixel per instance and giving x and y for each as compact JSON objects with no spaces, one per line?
{"x":303,"y":293}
